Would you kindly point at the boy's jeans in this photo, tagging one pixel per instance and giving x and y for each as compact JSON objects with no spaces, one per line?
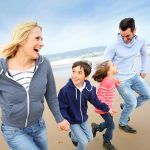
{"x":81,"y":133}
{"x":109,"y":125}
{"x":126,"y":90}
{"x":29,"y":138}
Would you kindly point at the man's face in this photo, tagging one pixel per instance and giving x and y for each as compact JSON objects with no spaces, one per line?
{"x":127,"y":35}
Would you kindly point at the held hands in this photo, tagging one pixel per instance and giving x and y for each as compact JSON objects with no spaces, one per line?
{"x":64,"y":125}
{"x":112,"y":111}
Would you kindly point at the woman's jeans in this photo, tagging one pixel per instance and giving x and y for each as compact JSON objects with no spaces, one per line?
{"x":126,"y":90}
{"x":108,"y":125}
{"x":81,"y":133}
{"x":29,"y":138}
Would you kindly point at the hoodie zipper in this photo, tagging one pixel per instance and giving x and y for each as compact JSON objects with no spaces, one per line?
{"x":80,"y":106}
{"x":28,"y":107}
{"x":28,"y":100}
{"x":27,"y":92}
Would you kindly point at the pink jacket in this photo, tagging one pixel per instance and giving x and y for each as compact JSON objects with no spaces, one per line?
{"x":105,"y":93}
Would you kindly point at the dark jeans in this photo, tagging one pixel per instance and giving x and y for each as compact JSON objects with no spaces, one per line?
{"x":109,"y":125}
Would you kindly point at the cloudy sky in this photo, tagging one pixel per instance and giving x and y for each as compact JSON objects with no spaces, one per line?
{"x":74,"y":24}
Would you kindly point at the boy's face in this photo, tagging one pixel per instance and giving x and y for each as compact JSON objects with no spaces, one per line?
{"x":78,"y":76}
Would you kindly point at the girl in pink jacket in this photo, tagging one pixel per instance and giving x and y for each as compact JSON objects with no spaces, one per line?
{"x":105,"y":75}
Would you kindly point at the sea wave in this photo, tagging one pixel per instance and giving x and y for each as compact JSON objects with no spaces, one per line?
{"x":68,"y":61}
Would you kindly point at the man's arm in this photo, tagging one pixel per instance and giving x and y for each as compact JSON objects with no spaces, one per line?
{"x":143,"y":53}
{"x":109,"y":53}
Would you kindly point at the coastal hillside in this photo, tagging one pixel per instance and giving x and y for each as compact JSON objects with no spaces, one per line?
{"x":82,"y":53}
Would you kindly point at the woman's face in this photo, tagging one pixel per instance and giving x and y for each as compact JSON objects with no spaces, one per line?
{"x":33,"y":44}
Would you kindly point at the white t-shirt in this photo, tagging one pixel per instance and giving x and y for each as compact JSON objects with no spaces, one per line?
{"x":23,"y":77}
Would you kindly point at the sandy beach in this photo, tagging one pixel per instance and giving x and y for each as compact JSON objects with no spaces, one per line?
{"x":59,"y":140}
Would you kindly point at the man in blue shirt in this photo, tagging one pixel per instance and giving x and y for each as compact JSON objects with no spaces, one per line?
{"x":123,"y":54}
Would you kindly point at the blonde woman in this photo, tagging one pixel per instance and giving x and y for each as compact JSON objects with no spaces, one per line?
{"x":26,"y":78}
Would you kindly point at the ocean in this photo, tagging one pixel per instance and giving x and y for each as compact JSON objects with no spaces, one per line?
{"x":65,"y":69}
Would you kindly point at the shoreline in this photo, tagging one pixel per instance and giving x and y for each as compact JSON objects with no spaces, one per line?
{"x":67,"y":63}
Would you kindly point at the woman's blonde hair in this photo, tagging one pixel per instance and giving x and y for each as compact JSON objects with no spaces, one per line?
{"x":19,"y":35}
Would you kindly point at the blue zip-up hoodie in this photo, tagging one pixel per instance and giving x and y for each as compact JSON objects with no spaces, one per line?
{"x":73,"y":103}
{"x":123,"y":55}
{"x":22,"y":108}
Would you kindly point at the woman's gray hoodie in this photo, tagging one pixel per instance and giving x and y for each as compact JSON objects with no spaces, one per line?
{"x":22,"y":108}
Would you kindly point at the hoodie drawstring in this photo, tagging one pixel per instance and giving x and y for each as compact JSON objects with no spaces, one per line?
{"x":1,"y":71}
{"x":76,"y":94}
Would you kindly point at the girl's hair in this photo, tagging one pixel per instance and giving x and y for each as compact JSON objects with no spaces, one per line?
{"x":101,"y":71}
{"x":87,"y":66}
{"x":19,"y":35}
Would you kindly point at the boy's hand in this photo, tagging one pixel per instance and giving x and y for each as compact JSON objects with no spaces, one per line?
{"x":112,"y":111}
{"x":64,"y":125}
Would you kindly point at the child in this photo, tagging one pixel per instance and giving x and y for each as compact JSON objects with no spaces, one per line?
{"x":104,"y":74}
{"x":73,"y":98}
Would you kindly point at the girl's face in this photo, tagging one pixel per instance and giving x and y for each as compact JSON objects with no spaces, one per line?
{"x":112,"y":69}
{"x":33,"y":44}
{"x":78,"y":76}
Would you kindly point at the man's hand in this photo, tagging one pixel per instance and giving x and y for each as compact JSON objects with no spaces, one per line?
{"x":64,"y":125}
{"x":143,"y":75}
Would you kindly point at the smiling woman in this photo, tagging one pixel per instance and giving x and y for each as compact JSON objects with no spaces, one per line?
{"x":21,"y":101}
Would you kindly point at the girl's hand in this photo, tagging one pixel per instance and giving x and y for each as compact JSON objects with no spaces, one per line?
{"x":112,"y":111}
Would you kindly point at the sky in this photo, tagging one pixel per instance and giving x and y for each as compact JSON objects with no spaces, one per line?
{"x":74,"y":24}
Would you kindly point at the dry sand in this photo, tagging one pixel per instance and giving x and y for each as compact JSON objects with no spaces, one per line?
{"x":59,"y":140}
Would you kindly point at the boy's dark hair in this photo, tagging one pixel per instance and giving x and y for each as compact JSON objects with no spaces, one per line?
{"x":101,"y":71}
{"x":87,"y":66}
{"x":127,"y":23}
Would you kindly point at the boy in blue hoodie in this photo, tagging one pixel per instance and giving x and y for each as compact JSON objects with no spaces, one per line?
{"x":73,"y":98}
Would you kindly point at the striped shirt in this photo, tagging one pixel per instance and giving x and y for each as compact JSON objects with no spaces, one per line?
{"x":23,"y":77}
{"x":106,"y":92}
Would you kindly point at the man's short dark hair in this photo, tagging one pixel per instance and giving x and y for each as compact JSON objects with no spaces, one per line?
{"x":127,"y":23}
{"x":87,"y":66}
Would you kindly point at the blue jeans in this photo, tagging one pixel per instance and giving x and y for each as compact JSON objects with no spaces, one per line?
{"x":108,"y":125}
{"x":29,"y":138}
{"x":81,"y":133}
{"x":126,"y":90}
